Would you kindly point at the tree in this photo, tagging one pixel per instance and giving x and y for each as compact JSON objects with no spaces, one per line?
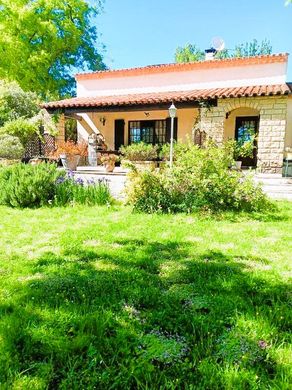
{"x":20,"y":114}
{"x":253,"y":48}
{"x":15,"y":103}
{"x":190,"y":52}
{"x":43,"y":41}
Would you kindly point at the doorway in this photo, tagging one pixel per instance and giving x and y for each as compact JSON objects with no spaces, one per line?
{"x":119,"y":133}
{"x":245,"y":128}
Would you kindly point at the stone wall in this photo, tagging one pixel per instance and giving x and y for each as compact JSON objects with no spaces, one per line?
{"x":61,"y":129}
{"x":271,"y":138}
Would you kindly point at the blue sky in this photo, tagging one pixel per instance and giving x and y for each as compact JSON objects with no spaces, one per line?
{"x":145,"y":32}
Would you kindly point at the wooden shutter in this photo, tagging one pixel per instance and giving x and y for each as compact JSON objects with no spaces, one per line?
{"x":119,"y":133}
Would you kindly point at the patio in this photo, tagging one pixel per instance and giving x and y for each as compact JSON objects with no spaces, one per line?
{"x":116,"y":179}
{"x":274,"y":185}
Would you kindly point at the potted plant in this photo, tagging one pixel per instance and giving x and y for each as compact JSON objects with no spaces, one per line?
{"x":242,"y":150}
{"x":142,"y":155}
{"x":109,"y":161}
{"x":70,"y":152}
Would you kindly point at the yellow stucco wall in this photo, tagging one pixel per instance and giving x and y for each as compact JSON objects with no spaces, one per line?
{"x":288,"y":137}
{"x":186,"y":120}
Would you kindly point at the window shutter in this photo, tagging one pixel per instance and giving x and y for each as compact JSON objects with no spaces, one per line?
{"x":168,"y":129}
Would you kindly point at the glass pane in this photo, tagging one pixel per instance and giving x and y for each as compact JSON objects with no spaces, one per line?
{"x":160,"y":132}
{"x":150,"y":132}
{"x":147,"y":133}
{"x":246,"y":131}
{"x":135,"y":132}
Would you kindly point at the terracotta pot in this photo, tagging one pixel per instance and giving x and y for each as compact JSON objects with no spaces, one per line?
{"x":109,"y":167}
{"x":35,"y":161}
{"x":70,"y":161}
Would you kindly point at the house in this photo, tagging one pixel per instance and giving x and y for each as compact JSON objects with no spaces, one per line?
{"x":214,"y":98}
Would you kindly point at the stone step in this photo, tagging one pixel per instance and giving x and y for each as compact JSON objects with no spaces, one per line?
{"x":280,"y":189}
{"x":100,"y":170}
{"x":280,"y":196}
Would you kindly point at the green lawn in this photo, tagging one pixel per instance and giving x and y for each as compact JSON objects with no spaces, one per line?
{"x":102,"y":298}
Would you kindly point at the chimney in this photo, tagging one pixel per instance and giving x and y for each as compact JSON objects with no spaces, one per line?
{"x":209,"y":54}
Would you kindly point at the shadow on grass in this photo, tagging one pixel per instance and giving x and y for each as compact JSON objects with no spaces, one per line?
{"x":142,"y":314}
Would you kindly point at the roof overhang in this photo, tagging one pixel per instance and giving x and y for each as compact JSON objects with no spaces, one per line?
{"x":162,"y":100}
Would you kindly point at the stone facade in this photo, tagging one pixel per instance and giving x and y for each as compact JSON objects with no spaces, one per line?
{"x":272,"y":126}
{"x":61,"y":129}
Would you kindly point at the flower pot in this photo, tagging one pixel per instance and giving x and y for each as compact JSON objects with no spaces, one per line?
{"x":35,"y":161}
{"x":70,"y":161}
{"x":109,"y":167}
{"x":145,"y":164}
{"x":238,"y":165}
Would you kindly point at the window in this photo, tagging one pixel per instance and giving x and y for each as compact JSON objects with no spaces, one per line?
{"x":245,"y":129}
{"x":150,"y":132}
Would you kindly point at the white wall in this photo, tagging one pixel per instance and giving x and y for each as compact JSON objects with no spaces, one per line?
{"x":230,"y":76}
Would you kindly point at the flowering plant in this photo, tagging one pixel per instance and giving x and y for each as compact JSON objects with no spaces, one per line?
{"x":139,"y":152}
{"x":71,"y":148}
{"x":240,"y":149}
{"x":109,"y":158}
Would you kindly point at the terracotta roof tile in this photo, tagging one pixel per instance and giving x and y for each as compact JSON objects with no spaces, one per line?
{"x":168,"y":97}
{"x":181,"y":67}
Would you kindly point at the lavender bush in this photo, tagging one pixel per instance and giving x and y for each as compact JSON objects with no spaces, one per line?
{"x":75,"y":190}
{"x":25,"y":185}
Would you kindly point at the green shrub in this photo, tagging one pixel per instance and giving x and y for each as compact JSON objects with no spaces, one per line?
{"x":164,"y":150}
{"x":139,"y":152}
{"x":71,"y":190}
{"x":43,"y":185}
{"x":22,"y":128}
{"x":28,"y":185}
{"x":10,"y":147}
{"x":16,"y":103}
{"x":200,"y":178}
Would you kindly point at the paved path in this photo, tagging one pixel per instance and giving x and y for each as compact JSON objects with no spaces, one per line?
{"x":116,"y":179}
{"x":275,"y":186}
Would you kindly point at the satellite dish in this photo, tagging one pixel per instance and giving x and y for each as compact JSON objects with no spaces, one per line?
{"x":218,"y":43}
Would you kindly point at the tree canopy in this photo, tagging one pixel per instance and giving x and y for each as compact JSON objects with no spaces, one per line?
{"x":43,"y":41}
{"x":191,"y":52}
{"x":20,"y":114}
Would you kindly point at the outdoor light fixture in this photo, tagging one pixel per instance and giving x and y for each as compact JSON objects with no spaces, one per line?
{"x":102,"y":120}
{"x":172,"y":113}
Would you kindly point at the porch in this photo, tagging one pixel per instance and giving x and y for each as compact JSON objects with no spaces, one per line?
{"x":215,"y":113}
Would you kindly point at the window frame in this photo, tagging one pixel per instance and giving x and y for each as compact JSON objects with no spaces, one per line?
{"x":155,"y":127}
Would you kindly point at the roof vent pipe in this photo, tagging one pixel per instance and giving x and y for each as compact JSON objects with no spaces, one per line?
{"x":210,"y":54}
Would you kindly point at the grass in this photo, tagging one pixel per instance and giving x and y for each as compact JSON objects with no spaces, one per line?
{"x":100,"y":298}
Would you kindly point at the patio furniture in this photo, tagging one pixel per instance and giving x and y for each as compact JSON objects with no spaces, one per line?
{"x":287,"y":167}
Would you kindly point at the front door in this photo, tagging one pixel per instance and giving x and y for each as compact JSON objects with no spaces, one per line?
{"x":247,"y":127}
{"x":119,"y":133}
